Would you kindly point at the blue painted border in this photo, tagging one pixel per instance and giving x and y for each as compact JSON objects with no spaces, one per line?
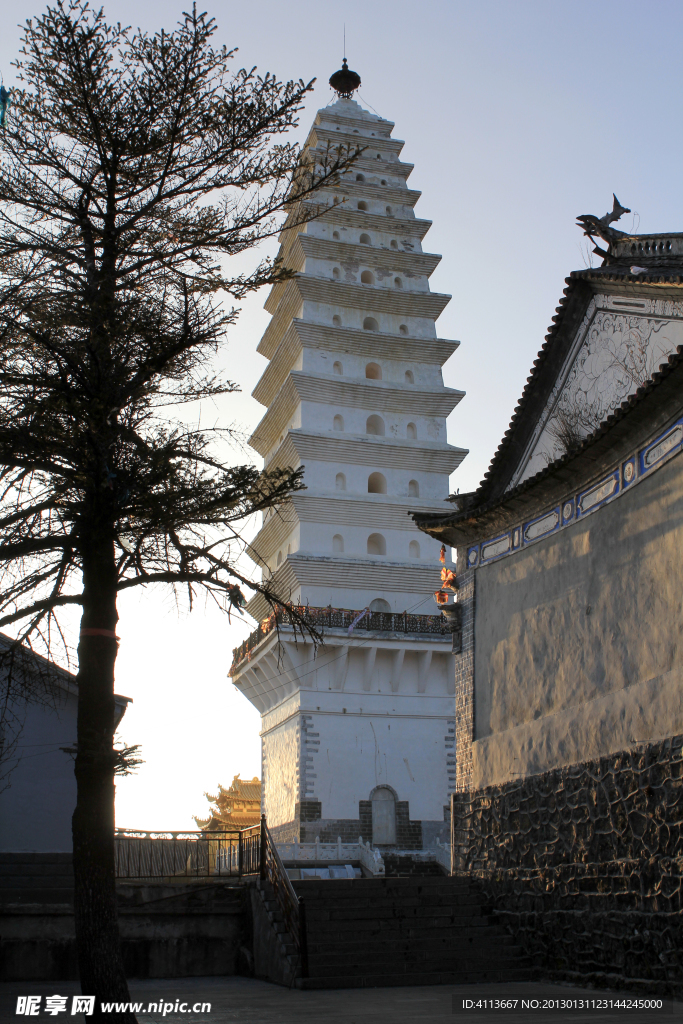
{"x":643,"y":453}
{"x":518,"y":540}
{"x":537,"y":519}
{"x":473,"y":557}
{"x":492,"y":558}
{"x":612,"y":477}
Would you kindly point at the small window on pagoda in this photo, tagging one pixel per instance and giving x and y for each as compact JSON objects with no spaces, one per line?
{"x":389,"y":211}
{"x":336,"y":273}
{"x":410,"y":379}
{"x":362,"y":205}
{"x":338,"y":543}
{"x":414,"y":549}
{"x":340,"y":482}
{"x":377,"y":545}
{"x":380,"y":605}
{"x":413,"y":489}
{"x":375,"y":425}
{"x":411,"y":432}
{"x":365,"y":239}
{"x":383,"y":181}
{"x":367,"y":277}
{"x":335,"y":234}
{"x":338,"y":422}
{"x":360,"y":177}
{"x":338,"y":368}
{"x":336,"y":320}
{"x":370,"y":324}
{"x":403,"y":329}
{"x":379,"y":156}
{"x":373,"y":371}
{"x":393,"y":243}
{"x":377,"y":483}
{"x":398,"y":283}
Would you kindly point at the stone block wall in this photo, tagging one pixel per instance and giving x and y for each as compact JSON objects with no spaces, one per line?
{"x":584,"y":865}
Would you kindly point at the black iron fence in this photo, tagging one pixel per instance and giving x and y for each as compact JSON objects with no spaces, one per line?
{"x":230,"y":853}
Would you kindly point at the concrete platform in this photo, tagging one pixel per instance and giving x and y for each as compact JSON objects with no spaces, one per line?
{"x":246,"y":1001}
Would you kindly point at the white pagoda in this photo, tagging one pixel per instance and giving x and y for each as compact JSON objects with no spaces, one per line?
{"x":358,"y":737}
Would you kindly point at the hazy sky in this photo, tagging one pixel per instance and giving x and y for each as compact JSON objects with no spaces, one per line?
{"x":518,"y":115}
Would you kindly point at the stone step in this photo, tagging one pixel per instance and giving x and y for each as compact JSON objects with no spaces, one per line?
{"x":401,"y":942}
{"x":464,"y":907}
{"x":489,"y":932}
{"x":391,"y":925}
{"x":366,"y":958}
{"x":394,"y":909}
{"x":432,"y":965}
{"x":364,"y":886}
{"x":413,"y":900}
{"x":465,"y":977}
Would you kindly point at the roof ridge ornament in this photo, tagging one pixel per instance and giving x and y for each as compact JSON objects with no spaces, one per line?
{"x":600,"y":226}
{"x":345,"y":82}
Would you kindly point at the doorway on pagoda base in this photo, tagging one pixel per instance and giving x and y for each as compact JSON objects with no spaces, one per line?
{"x":383,"y":816}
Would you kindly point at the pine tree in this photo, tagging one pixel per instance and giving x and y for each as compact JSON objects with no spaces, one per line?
{"x":133,"y":165}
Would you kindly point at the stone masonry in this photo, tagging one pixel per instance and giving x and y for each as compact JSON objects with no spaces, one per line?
{"x":583,"y":864}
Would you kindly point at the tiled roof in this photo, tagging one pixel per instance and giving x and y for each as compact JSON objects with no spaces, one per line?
{"x":659,"y":270}
{"x":477,"y":504}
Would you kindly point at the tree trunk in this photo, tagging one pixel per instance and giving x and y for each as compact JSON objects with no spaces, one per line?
{"x":97,"y":932}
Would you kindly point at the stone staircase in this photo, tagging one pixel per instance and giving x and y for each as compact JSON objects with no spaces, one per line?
{"x":368,"y":932}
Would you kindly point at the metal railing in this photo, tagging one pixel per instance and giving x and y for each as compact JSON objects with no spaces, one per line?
{"x":292,"y":907}
{"x":340,"y":618}
{"x":225,"y":854}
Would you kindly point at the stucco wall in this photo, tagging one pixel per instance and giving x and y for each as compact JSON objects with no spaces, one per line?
{"x":280,"y":760}
{"x":36,"y":806}
{"x":577,"y":637}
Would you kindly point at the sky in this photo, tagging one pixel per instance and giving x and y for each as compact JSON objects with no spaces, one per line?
{"x":519,"y":115}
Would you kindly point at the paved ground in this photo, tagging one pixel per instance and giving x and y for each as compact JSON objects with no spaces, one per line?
{"x":245,"y":1001}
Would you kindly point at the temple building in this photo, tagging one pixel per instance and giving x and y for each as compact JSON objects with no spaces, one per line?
{"x":236,"y":807}
{"x":569,"y":718}
{"x":357,"y":738}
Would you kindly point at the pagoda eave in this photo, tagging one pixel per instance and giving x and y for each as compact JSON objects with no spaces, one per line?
{"x":336,"y":509}
{"x":342,"y":214}
{"x":375,"y":396}
{"x":306,"y":288}
{"x":302,"y":334}
{"x":347,"y":573}
{"x":361,"y":449}
{"x":324,"y":136}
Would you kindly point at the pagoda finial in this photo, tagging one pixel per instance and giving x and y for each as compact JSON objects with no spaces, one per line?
{"x":345,"y":82}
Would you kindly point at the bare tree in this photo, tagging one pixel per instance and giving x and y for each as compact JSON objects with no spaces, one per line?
{"x":132,"y":166}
